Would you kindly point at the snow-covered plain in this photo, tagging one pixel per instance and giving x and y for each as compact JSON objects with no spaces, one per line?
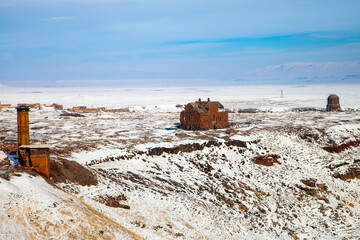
{"x":215,"y":191}
{"x":164,"y":99}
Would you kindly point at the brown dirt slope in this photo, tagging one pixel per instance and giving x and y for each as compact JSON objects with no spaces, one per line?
{"x":71,"y":171}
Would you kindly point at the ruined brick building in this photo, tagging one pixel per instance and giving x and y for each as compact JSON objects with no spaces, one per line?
{"x":84,"y":109}
{"x":34,"y":105}
{"x":203,"y":115}
{"x":5,"y":105}
{"x":333,"y":103}
{"x":31,"y":157}
{"x":55,"y":106}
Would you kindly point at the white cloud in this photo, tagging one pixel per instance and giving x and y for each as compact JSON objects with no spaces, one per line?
{"x":62,"y":18}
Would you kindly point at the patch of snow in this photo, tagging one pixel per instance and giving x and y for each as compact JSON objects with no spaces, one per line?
{"x":243,"y":138}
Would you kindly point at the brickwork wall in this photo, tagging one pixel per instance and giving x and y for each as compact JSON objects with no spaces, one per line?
{"x":35,"y":105}
{"x":36,"y":159}
{"x":5,"y":106}
{"x":333,"y":103}
{"x":190,"y":119}
{"x":117,"y":110}
{"x":83,"y":109}
{"x":23,"y":127}
{"x":56,"y":106}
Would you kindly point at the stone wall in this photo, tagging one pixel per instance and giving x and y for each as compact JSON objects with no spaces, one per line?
{"x":191,"y":119}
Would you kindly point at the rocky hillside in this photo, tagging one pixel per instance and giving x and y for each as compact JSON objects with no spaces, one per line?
{"x":270,"y":175}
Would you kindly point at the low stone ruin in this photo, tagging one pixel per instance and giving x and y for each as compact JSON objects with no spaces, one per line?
{"x":333,"y":104}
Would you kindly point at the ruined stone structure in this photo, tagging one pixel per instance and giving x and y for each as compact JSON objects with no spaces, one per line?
{"x":203,"y":115}
{"x":56,"y":106}
{"x":84,"y":109}
{"x":117,"y":110}
{"x":5,"y":106}
{"x":23,"y":125}
{"x":333,"y":103}
{"x":36,"y":158}
{"x":31,"y":157}
{"x":35,"y":105}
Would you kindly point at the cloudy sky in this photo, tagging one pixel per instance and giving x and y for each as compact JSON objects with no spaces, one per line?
{"x":175,"y":43}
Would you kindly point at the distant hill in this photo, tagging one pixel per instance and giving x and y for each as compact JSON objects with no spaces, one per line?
{"x":307,"y":72}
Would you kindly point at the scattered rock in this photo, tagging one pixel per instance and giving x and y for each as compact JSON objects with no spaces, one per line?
{"x":309,"y":182}
{"x":342,"y":147}
{"x":267,"y":160}
{"x":114,"y":202}
{"x":67,"y":114}
{"x":236,"y":143}
{"x":337,"y":165}
{"x":139,"y":224}
{"x":10,"y":148}
{"x":314,"y":189}
{"x":248,"y":110}
{"x":179,"y":234}
{"x":307,"y":109}
{"x":182,"y":148}
{"x":242,"y":206}
{"x":350,"y":173}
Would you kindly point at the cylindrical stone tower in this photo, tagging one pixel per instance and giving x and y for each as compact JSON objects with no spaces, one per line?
{"x":23,"y":125}
{"x":333,"y":103}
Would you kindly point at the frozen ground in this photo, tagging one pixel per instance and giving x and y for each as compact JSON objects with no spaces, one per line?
{"x":165,"y":98}
{"x":267,"y":176}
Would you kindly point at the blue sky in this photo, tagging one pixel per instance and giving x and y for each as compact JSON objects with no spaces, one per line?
{"x":175,"y":43}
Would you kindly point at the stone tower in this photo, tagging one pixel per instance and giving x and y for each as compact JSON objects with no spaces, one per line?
{"x":333,"y":103}
{"x":23,"y":125}
{"x":31,"y":157}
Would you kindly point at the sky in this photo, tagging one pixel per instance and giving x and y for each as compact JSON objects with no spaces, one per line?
{"x":62,"y":43}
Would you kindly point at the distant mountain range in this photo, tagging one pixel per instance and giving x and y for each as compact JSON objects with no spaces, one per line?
{"x":288,"y":73}
{"x":307,"y":72}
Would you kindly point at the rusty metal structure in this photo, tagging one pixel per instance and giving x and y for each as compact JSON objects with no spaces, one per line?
{"x":333,"y":103}
{"x":31,"y":157}
{"x":203,"y":115}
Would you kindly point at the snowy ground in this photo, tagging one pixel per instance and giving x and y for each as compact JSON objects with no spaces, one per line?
{"x":211,"y":187}
{"x":165,"y":98}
